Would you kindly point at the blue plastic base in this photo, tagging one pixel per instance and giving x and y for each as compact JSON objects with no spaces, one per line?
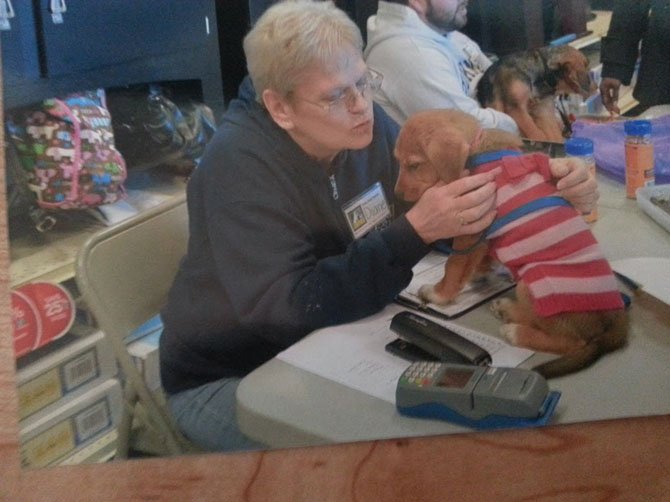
{"x":441,"y":412}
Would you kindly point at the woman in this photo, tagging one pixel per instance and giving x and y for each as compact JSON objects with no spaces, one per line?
{"x":293,"y":224}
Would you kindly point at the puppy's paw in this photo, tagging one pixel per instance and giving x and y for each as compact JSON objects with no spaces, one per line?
{"x":510,"y":332}
{"x":429,"y":294}
{"x":500,"y":308}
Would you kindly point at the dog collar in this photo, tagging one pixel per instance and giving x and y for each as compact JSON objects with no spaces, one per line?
{"x":486,"y":157}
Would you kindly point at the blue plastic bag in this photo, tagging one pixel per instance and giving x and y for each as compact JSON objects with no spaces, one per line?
{"x":608,"y":142}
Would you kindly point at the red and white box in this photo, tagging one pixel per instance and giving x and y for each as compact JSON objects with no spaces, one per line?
{"x":41,"y":312}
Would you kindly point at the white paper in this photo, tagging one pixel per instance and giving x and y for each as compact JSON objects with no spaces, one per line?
{"x":652,"y":274}
{"x":146,"y":199}
{"x":111,"y":214}
{"x":502,"y":353}
{"x":354,"y":355}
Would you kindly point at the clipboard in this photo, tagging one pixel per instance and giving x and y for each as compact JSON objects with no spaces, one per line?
{"x":431,"y":269}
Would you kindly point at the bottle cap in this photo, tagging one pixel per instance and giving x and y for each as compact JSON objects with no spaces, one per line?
{"x":637,"y":127}
{"x":578,"y":146}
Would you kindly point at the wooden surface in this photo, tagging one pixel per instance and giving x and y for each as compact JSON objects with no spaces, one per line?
{"x":614,"y":460}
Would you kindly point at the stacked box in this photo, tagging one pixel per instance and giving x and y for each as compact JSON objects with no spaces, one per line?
{"x":66,"y":367}
{"x":151,"y":326}
{"x":100,"y":450}
{"x":143,"y":347}
{"x":61,"y":433}
{"x":145,"y":356}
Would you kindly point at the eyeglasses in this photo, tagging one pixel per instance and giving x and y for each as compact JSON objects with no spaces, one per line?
{"x":346,"y":98}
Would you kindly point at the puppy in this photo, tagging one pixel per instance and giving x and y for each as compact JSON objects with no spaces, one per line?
{"x":524,"y":84}
{"x":567,"y":300}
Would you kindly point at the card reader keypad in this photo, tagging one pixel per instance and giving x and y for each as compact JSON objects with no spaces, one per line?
{"x":421,"y":372}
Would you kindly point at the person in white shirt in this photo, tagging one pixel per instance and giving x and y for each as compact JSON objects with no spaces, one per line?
{"x":426,"y":62}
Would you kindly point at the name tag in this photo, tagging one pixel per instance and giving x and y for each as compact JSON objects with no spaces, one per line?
{"x":367,"y":211}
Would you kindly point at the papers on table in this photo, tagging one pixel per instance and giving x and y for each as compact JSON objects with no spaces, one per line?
{"x":651,"y":274}
{"x":354,"y":355}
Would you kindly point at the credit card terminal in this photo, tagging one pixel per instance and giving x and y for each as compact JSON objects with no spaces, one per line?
{"x":475,"y":396}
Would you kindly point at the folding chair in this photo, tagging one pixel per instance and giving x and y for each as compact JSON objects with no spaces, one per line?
{"x":124,"y":273}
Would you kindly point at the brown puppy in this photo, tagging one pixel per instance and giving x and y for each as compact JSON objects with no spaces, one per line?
{"x":567,"y":301}
{"x":523,"y":85}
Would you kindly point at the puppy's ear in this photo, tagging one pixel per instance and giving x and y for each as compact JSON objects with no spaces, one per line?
{"x":579,"y":81}
{"x":448,"y":151}
{"x":574,"y":69}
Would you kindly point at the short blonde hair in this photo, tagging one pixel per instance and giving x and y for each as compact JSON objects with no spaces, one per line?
{"x":292,"y":36}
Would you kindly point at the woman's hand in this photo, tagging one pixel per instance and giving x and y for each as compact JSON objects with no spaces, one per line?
{"x":464,"y":206}
{"x":575,"y":183}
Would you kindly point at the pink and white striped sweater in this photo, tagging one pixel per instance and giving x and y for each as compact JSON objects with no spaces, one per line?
{"x":552,"y":249}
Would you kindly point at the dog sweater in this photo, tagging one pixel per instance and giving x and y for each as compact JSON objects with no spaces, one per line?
{"x":552,"y":249}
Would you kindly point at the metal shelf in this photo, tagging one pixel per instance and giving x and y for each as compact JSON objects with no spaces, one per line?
{"x":50,"y":256}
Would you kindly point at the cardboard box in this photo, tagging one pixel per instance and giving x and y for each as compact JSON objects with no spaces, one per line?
{"x":151,"y":326}
{"x":145,"y":355}
{"x":48,"y":438}
{"x":661,"y":194}
{"x":100,"y":450}
{"x":66,"y":367}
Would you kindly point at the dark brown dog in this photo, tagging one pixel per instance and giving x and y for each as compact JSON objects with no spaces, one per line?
{"x":524,"y":84}
{"x":435,"y":145}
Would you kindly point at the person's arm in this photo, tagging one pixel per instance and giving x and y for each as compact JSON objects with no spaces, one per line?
{"x":619,"y":49}
{"x":609,"y":94}
{"x":283,"y":253}
{"x":575,"y":183}
{"x":466,"y":206}
{"x":267,"y":263}
{"x":266,"y":256}
{"x":463,"y":207}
